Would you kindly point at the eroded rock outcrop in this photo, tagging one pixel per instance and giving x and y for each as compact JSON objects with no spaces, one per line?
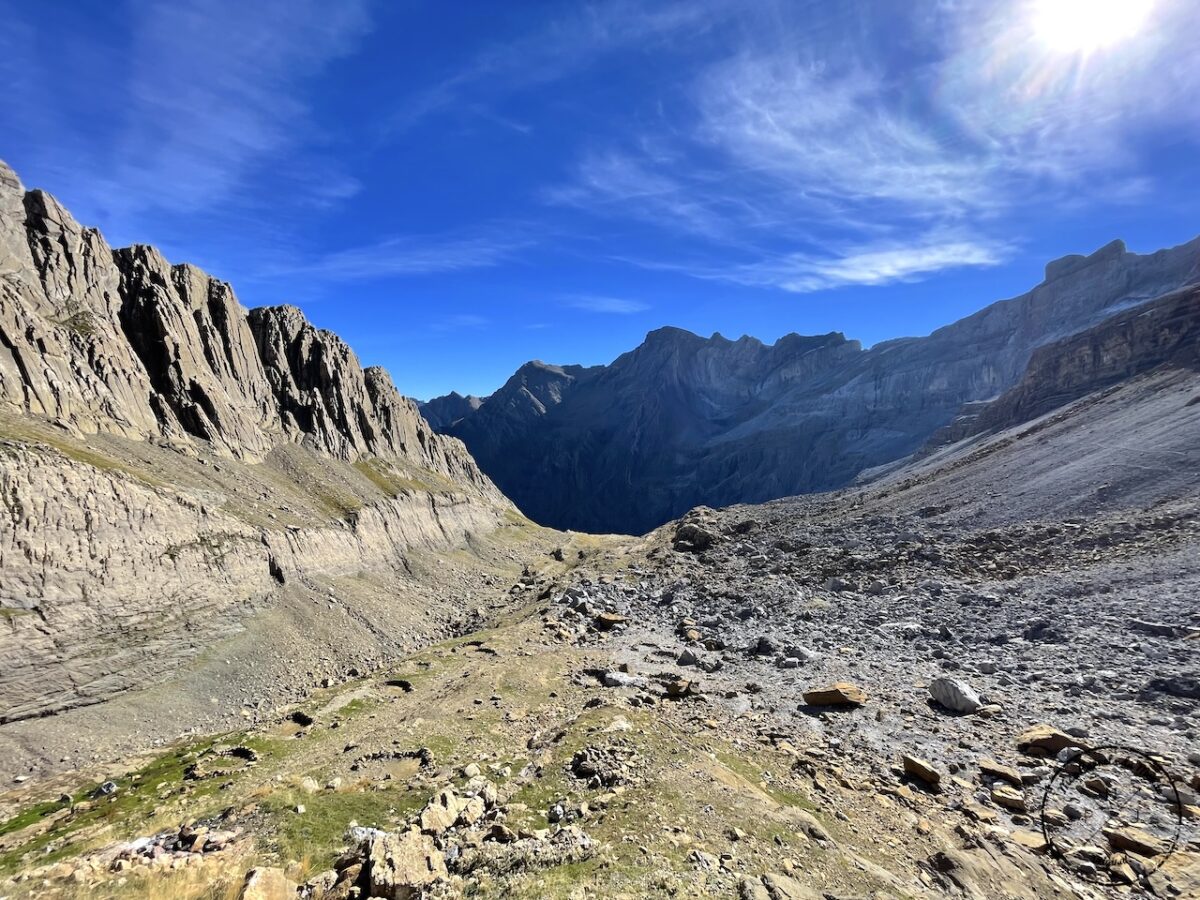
{"x":1163,"y":332}
{"x":124,"y":343}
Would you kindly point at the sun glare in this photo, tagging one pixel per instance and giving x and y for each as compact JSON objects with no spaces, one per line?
{"x":1084,"y":26}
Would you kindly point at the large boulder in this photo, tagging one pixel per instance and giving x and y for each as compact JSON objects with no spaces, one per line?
{"x":441,"y":813}
{"x":1045,"y":740}
{"x":401,"y":866}
{"x":843,"y":693}
{"x":266,"y":883}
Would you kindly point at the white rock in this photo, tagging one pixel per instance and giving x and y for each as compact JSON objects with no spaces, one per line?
{"x":955,"y":695}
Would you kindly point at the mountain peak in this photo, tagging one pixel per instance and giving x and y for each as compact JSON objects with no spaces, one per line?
{"x":1074,"y":262}
{"x":126,"y":343}
{"x":9,"y":181}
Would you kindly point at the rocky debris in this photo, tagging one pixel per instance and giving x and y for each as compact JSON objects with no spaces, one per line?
{"x":106,"y":789}
{"x":441,"y":812}
{"x":1136,"y":840}
{"x":1033,"y":841}
{"x":1005,"y":796}
{"x":1160,"y":629}
{"x":921,"y":770}
{"x":843,"y":693}
{"x":614,"y":678}
{"x":603,"y":766}
{"x":1045,"y":740}
{"x":764,"y":646}
{"x":1006,"y":615}
{"x":401,"y":866}
{"x":566,"y":845}
{"x":691,"y":537}
{"x":423,"y":755}
{"x":419,"y":861}
{"x":1186,"y":686}
{"x":679,"y":688}
{"x":992,"y":769}
{"x":188,"y":840}
{"x":785,"y":887}
{"x":607,"y":621}
{"x":955,"y":695}
{"x":189,"y":843}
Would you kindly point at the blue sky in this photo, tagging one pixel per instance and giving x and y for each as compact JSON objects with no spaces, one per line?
{"x":458,"y":188}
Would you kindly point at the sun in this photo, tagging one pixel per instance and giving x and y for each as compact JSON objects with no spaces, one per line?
{"x":1084,"y":26}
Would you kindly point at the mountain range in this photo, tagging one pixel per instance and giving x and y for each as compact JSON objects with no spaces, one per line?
{"x":266,"y":634}
{"x":683,"y":420}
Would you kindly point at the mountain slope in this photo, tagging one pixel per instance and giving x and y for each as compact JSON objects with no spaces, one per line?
{"x":181,"y":478}
{"x":652,"y":724}
{"x":1163,"y":332}
{"x":682,"y":420}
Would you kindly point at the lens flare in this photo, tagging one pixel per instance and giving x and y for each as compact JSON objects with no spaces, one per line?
{"x":1085,"y":26}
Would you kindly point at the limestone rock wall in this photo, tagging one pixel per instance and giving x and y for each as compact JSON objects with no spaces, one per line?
{"x":125,"y":343}
{"x":116,"y":369}
{"x":1164,"y":332}
{"x":110,"y":583}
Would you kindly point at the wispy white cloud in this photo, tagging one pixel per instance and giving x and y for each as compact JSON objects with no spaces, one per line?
{"x":614,"y":305}
{"x":409,"y":255}
{"x":832,"y":140}
{"x":805,"y":273}
{"x":201,"y":102}
{"x":615,"y":183}
{"x":863,"y":265}
{"x":215,"y":90}
{"x":810,"y":156}
{"x":561,"y":46}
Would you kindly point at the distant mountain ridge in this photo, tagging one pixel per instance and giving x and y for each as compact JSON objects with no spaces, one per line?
{"x":444,"y":411}
{"x":683,"y":420}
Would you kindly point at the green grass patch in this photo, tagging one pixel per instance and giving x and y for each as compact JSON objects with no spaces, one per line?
{"x":318,"y":833}
{"x":30,"y":432}
{"x":130,"y":809}
{"x":80,"y":321}
{"x":393,"y":482}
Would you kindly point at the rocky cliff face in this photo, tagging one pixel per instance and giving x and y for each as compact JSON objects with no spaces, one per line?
{"x":1163,"y":332}
{"x":111,"y":582}
{"x":683,"y":421}
{"x":124,"y":343}
{"x":171,"y":466}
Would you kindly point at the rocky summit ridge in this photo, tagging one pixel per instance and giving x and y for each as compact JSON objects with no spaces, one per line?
{"x":683,"y":420}
{"x":122,"y":342}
